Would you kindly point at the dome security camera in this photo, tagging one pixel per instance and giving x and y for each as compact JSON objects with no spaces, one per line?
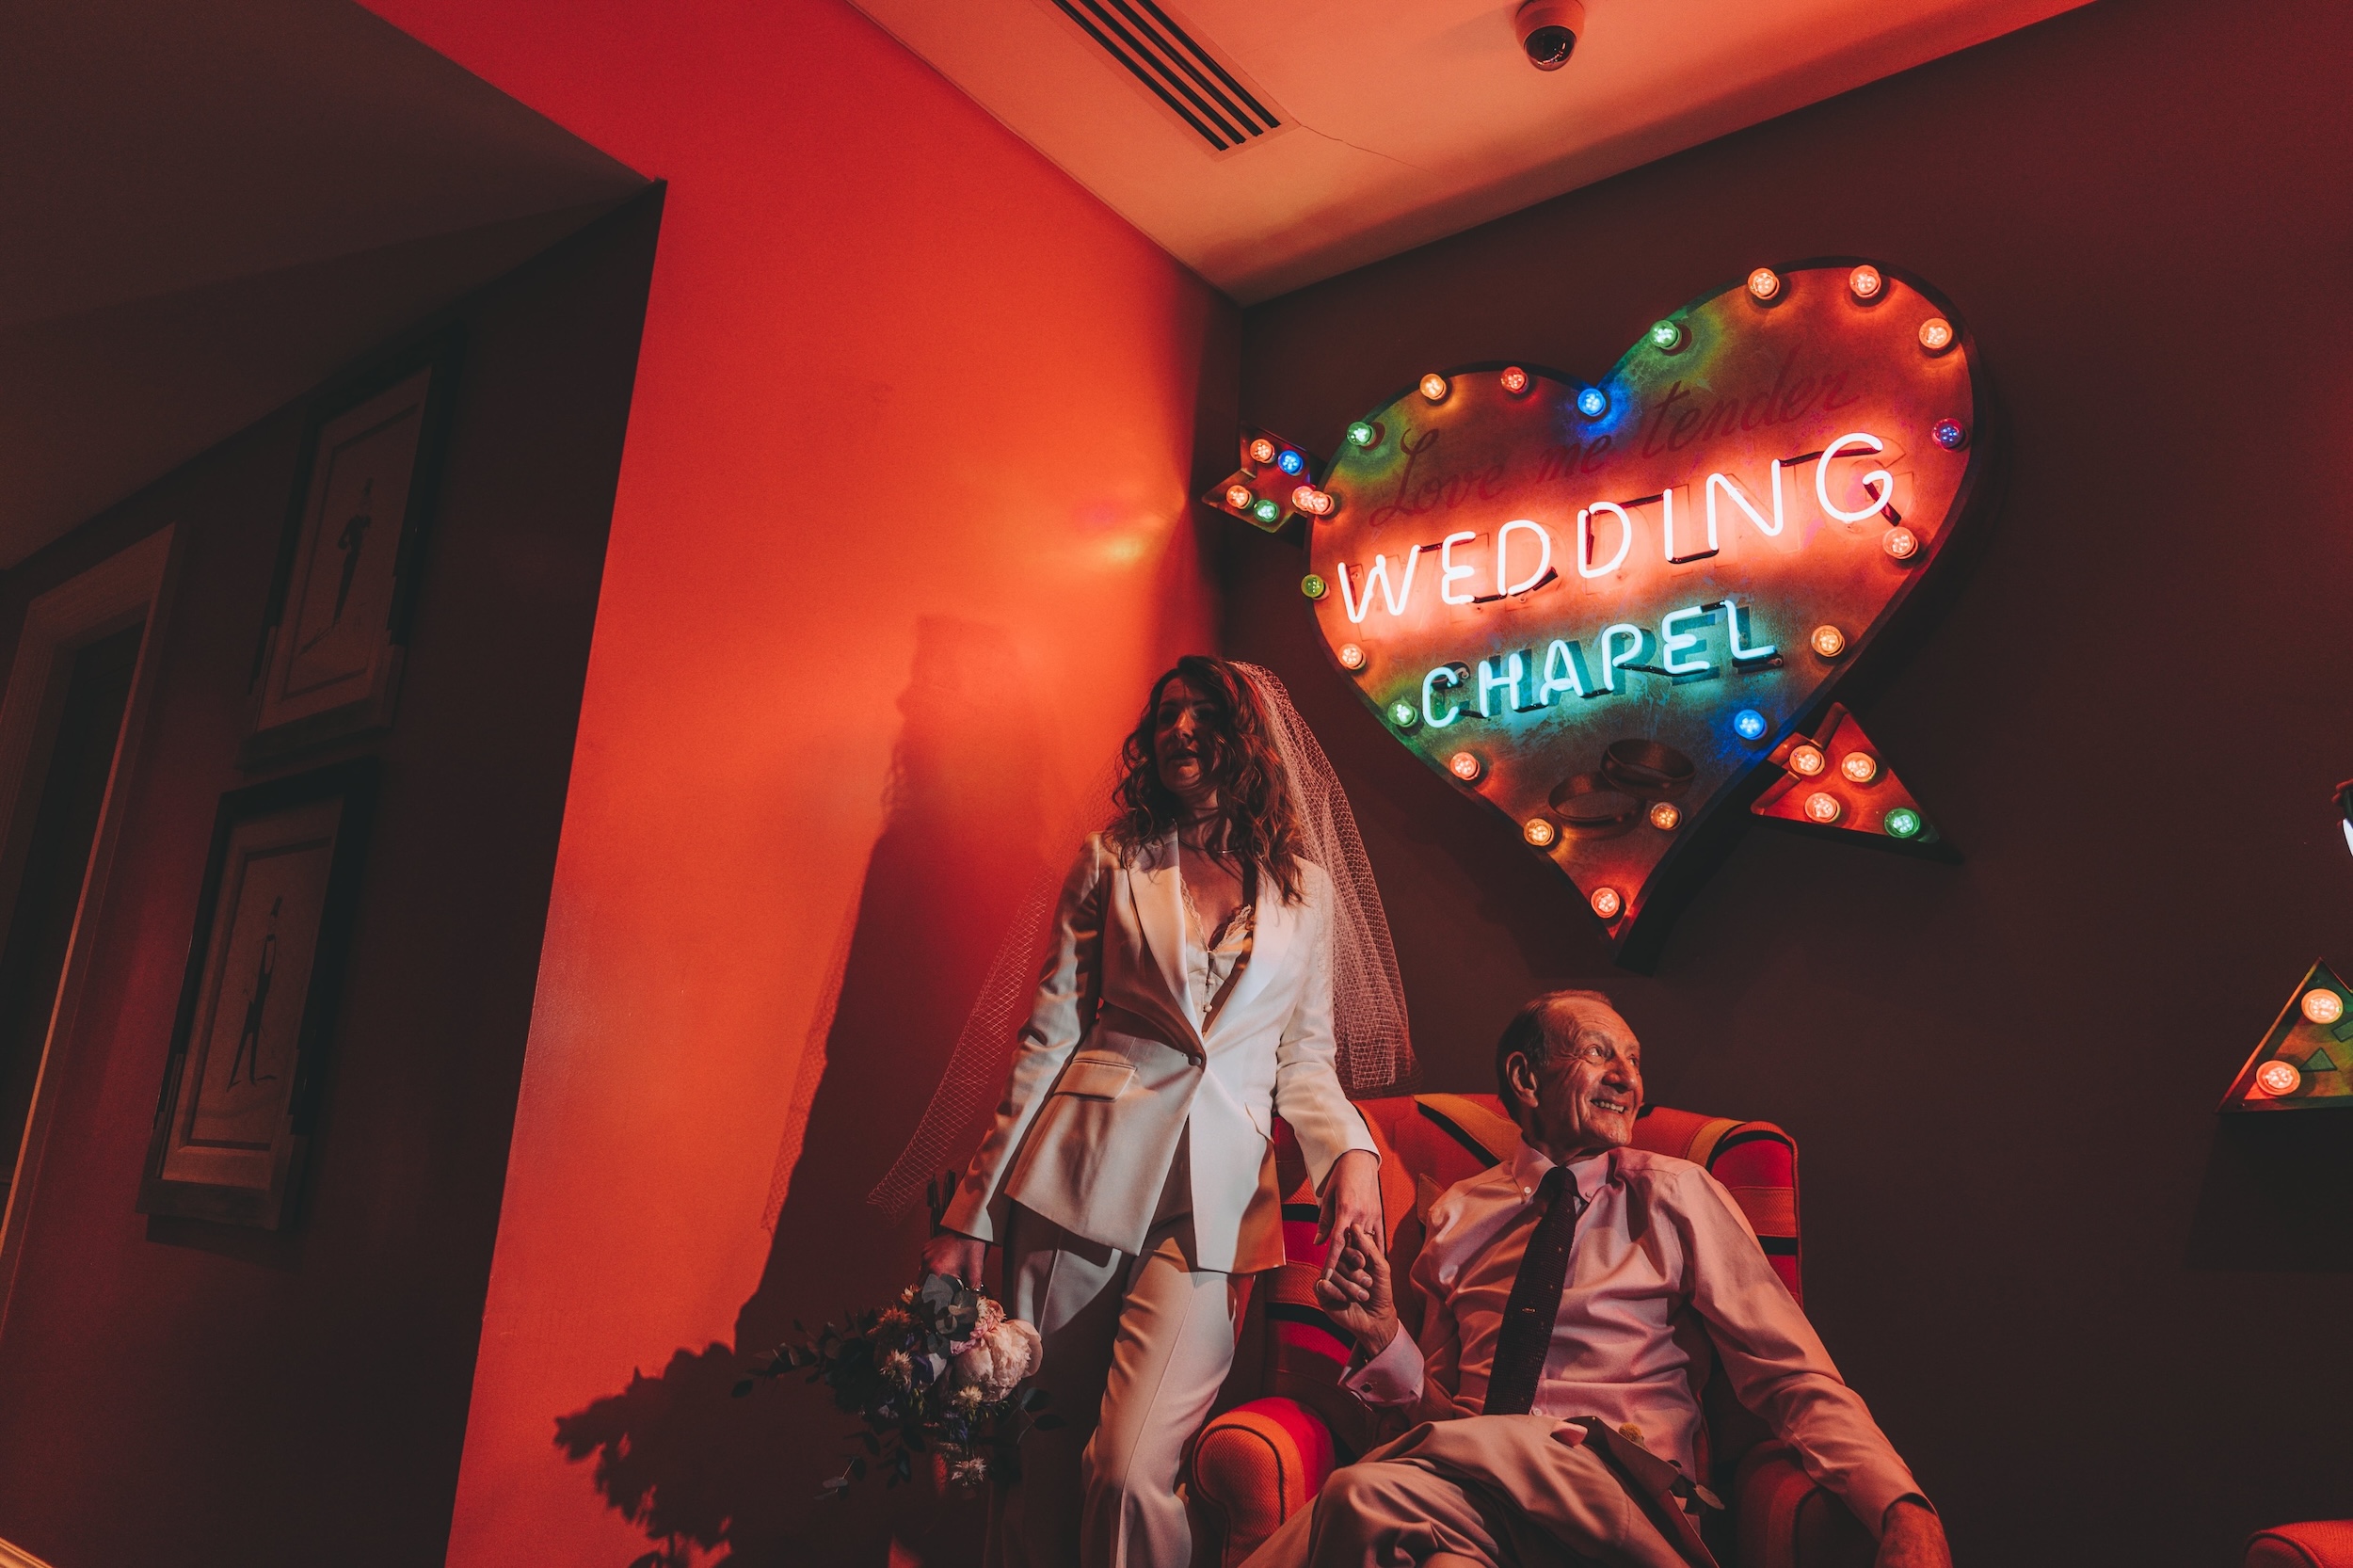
{"x":1548,"y":31}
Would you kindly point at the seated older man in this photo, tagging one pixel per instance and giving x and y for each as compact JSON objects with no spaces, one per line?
{"x":1583,"y":1279}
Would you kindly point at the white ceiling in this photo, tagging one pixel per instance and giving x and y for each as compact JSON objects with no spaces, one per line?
{"x":213,"y":207}
{"x":1412,"y":120}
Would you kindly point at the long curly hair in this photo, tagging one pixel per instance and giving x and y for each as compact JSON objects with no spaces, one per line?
{"x":1253,"y":794}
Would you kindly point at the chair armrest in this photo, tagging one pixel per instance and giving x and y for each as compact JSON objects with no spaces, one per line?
{"x":1785,"y":1521}
{"x":1257,"y":1465}
{"x":2320,"y":1544}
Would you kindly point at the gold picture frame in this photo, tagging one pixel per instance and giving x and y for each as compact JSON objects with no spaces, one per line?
{"x":344,"y":591}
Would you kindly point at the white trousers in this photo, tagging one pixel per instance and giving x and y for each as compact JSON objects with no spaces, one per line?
{"x":1136,"y":1347}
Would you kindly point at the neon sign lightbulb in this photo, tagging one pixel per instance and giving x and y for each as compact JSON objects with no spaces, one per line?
{"x":1865,"y":282}
{"x":1539,"y":832}
{"x":1665,"y":816}
{"x":1239,"y":497}
{"x":1262,"y":451}
{"x":1291,"y":463}
{"x":1764,"y":285}
{"x":2277,"y":1078}
{"x":1313,"y":502}
{"x":1351,"y":657}
{"x":1950,"y":434}
{"x":1936,"y":334}
{"x":1822,"y":807}
{"x":1267,"y":510}
{"x":1608,"y":903}
{"x":1464,"y":766}
{"x":1314,"y":586}
{"x":1403,"y":714}
{"x":1902,"y":543}
{"x":1666,"y":336}
{"x":1808,"y":762}
{"x":1593,"y":403}
{"x":2322,"y":1006}
{"x":1434,"y":387}
{"x":1748,"y":725}
{"x":1514,"y":380}
{"x":1903,"y":823}
{"x":1363,"y":433}
{"x":1827,"y":641}
{"x":1859,"y":767}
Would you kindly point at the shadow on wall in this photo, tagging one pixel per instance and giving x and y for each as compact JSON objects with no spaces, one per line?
{"x":2274,"y":1194}
{"x":699,"y":1470}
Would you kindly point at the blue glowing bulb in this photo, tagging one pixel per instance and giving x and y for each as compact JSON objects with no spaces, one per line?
{"x":1593,"y":403}
{"x":1748,"y":725}
{"x":1291,"y":463}
{"x":1949,"y":435}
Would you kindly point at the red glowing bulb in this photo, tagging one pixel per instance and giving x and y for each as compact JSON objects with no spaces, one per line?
{"x":2277,"y":1078}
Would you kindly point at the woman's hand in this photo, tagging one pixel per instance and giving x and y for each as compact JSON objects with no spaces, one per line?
{"x":1356,"y":1294}
{"x":1352,"y":1196}
{"x":956,"y":1255}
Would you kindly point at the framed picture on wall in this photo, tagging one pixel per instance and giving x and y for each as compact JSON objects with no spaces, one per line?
{"x":345,"y":586}
{"x":257,"y":1005}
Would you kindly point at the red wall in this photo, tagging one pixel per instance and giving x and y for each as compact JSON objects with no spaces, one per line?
{"x":2102,"y":1325}
{"x":173,"y":1391}
{"x":901,"y":534}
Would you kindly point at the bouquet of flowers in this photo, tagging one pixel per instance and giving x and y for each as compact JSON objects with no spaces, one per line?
{"x":938,"y":1374}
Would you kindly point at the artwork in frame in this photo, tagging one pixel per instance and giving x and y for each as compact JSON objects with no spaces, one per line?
{"x":257,"y":1005}
{"x":341,"y":604}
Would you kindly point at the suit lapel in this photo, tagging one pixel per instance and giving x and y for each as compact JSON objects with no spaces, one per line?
{"x":1274,"y":924}
{"x":1160,"y":899}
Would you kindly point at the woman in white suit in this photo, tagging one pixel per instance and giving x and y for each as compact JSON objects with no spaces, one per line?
{"x":1186,"y":1000}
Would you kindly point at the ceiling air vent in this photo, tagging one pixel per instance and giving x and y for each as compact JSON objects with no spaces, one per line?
{"x":1210,"y":96}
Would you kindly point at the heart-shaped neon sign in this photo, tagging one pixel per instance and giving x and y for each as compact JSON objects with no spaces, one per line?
{"x":1605,"y":607}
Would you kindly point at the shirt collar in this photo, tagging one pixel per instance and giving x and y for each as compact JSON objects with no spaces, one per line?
{"x":1590,"y":1174}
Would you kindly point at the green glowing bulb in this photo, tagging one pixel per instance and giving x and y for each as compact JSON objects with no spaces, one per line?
{"x":1667,"y":335}
{"x":1267,"y":510}
{"x":1313,"y":586}
{"x":1903,"y":823}
{"x":1404,"y":714}
{"x":1363,"y":433}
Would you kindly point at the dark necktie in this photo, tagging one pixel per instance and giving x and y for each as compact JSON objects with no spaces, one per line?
{"x":1534,"y":1309}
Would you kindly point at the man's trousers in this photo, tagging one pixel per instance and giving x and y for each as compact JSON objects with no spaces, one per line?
{"x":1496,"y":1489}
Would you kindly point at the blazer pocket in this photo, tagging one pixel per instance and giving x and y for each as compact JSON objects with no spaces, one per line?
{"x":1103,"y":1077}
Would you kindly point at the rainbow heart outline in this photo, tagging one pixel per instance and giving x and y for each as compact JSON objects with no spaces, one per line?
{"x":1669,"y":551}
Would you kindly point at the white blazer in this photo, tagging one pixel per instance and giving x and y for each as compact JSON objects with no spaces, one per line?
{"x":1111,"y":1071}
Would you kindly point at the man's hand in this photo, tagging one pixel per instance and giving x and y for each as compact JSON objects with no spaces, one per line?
{"x":1352,"y":1196}
{"x":1356,"y":1294}
{"x":1912,"y":1536}
{"x":955,"y":1253}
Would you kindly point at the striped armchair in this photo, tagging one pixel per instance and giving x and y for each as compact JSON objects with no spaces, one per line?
{"x":1286,"y":1423}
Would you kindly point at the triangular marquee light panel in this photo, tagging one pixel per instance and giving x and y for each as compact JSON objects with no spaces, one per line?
{"x":1602,"y":607}
{"x":2306,"y":1061}
{"x":1834,"y":780}
{"x":1275,"y":482}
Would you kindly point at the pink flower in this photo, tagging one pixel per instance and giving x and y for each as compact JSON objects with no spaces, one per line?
{"x":995,"y":1361}
{"x":990,"y":1315}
